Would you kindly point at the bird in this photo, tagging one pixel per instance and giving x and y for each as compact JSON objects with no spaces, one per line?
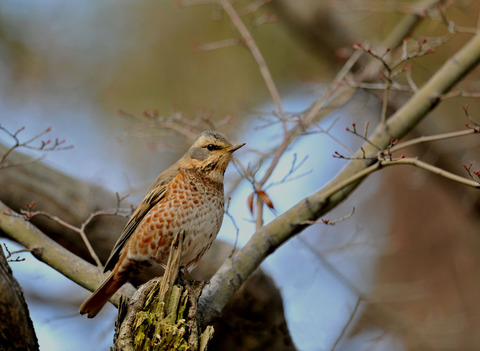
{"x":189,"y":197}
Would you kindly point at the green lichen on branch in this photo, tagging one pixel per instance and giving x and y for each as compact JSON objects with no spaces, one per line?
{"x":162,"y":326}
{"x":166,"y":324}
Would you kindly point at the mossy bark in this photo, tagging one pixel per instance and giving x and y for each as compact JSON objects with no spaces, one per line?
{"x":165,"y":324}
{"x":162,"y":313}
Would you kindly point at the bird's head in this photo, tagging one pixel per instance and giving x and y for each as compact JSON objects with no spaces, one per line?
{"x":210,"y":154}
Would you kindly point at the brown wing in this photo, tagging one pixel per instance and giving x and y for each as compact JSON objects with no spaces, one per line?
{"x":155,"y":194}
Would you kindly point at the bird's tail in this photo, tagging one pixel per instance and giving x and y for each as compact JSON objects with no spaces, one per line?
{"x":100,"y":297}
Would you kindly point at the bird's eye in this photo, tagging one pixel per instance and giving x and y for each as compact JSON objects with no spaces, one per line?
{"x":211,"y":147}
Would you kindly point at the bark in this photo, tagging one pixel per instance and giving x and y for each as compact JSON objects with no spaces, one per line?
{"x":16,"y":327}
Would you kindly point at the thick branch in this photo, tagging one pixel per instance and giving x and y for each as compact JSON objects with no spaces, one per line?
{"x":236,"y":269}
{"x":16,"y":328}
{"x":53,"y":254}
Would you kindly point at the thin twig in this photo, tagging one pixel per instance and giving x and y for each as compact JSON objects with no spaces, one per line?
{"x":257,"y":55}
{"x":19,"y":164}
{"x":428,"y":167}
{"x":426,"y":139}
{"x":75,"y":229}
{"x":377,"y":86}
{"x":350,"y":320}
{"x":363,"y":136}
{"x":459,"y":93}
{"x":11,"y":253}
{"x":386,"y":94}
{"x":81,"y":230}
{"x":53,"y":254}
{"x":45,"y":145}
{"x":331,"y":221}
{"x":259,"y":213}
{"x":295,"y":166}
{"x":235,"y":225}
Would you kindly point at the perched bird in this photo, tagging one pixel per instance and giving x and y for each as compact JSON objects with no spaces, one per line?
{"x":188,"y":196}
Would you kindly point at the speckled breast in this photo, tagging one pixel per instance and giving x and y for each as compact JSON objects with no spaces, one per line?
{"x":193,"y":203}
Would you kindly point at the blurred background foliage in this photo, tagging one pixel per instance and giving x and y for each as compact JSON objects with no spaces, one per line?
{"x":73,"y":65}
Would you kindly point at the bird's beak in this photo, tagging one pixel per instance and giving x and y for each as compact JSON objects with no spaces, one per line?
{"x":235,"y":147}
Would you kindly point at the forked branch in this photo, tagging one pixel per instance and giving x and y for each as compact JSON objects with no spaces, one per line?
{"x":268,"y":238}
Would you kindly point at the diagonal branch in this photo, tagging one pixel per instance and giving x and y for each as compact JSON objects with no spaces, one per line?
{"x":53,"y":254}
{"x":267,"y":239}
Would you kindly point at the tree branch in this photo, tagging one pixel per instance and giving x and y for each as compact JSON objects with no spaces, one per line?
{"x":257,"y":55}
{"x":53,"y":254}
{"x":427,"y":139}
{"x":428,"y":167}
{"x":236,"y":269}
{"x":16,"y":328}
